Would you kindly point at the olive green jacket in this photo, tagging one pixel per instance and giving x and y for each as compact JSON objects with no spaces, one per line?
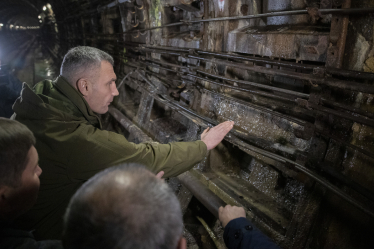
{"x":73,"y":147}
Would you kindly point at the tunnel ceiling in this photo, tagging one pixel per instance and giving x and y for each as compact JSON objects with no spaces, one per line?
{"x":26,"y":21}
{"x":296,"y":76}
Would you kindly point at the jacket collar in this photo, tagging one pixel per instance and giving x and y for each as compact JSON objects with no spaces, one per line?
{"x":77,"y":99}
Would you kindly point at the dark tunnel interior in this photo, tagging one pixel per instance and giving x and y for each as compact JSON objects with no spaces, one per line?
{"x":296,"y":76}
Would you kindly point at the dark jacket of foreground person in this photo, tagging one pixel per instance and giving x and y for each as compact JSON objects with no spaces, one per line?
{"x":73,"y":147}
{"x":18,"y":239}
{"x":240,"y":233}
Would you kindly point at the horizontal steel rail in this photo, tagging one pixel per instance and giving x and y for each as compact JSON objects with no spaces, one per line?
{"x":354,"y":117}
{"x":277,"y":89}
{"x":272,"y":14}
{"x":235,"y":18}
{"x":334,"y":71}
{"x":340,"y":84}
{"x":262,"y":109}
{"x":262,"y":93}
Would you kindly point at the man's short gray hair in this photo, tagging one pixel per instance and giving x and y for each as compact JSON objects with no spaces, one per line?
{"x":123,"y":207}
{"x":81,"y":60}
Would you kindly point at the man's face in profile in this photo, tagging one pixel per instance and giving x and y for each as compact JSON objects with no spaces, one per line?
{"x":19,"y":200}
{"x":103,"y":89}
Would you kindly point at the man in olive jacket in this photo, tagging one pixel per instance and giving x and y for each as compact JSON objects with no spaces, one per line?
{"x":72,"y":145}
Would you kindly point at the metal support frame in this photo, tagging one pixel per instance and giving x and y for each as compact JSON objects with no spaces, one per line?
{"x":232,"y":138}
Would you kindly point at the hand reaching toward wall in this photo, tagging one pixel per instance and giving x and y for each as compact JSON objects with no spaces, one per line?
{"x":213,"y":136}
{"x":229,"y":213}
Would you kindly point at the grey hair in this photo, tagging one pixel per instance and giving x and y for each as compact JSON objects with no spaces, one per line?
{"x":81,"y":60}
{"x":123,"y":207}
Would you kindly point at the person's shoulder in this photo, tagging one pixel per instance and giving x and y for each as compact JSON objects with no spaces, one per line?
{"x":50,"y":244}
{"x":15,"y":238}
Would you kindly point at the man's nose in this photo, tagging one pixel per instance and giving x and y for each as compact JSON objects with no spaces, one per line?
{"x":39,"y":171}
{"x":114,"y":90}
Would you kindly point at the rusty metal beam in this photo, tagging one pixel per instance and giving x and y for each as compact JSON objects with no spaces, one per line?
{"x":346,"y":107}
{"x":328,"y":70}
{"x":280,"y":13}
{"x":355,"y":118}
{"x":338,"y":37}
{"x":262,"y":109}
{"x":341,"y":141}
{"x":257,"y":107}
{"x":129,"y":125}
{"x":261,"y":93}
{"x":202,"y":193}
{"x":277,"y":89}
{"x":341,"y":84}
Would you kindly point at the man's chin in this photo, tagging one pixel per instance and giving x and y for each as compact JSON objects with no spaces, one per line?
{"x":105,"y":110}
{"x":102,"y":111}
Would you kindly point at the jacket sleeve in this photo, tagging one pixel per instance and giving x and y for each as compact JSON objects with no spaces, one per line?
{"x":95,"y":150}
{"x":240,"y":233}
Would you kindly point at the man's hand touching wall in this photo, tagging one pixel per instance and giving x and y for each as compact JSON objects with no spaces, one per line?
{"x":213,"y":136}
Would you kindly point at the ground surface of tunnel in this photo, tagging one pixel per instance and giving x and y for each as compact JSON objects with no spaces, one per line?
{"x":296,"y":76}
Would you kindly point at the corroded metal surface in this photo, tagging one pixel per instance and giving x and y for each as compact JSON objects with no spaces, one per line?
{"x":298,"y":43}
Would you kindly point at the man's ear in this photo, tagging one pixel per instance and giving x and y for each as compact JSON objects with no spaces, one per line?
{"x":182,"y":244}
{"x":82,"y":86}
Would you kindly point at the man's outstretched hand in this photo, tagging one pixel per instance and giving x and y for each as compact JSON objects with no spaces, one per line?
{"x":229,"y":213}
{"x":213,"y":136}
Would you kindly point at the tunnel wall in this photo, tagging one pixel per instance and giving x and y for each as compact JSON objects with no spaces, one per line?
{"x":299,"y":88}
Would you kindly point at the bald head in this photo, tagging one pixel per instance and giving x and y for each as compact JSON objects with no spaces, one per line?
{"x":123,"y":207}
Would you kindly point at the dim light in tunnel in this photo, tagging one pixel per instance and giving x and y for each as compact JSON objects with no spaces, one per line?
{"x":44,"y":8}
{"x":39,"y":17}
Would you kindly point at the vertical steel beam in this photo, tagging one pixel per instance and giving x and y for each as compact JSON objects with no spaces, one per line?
{"x":338,"y":37}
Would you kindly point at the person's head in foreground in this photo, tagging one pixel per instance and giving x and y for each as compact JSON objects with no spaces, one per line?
{"x":124,"y":207}
{"x":90,"y":71}
{"x":19,"y":170}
